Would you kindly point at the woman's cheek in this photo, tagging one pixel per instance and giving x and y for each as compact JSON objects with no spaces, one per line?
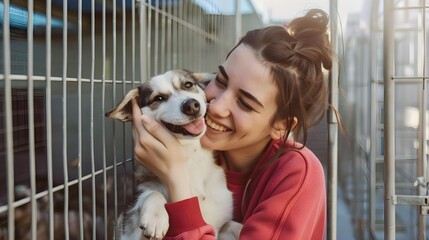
{"x":205,"y":142}
{"x":209,"y":91}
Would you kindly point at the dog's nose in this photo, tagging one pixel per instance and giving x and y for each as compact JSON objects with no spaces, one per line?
{"x":191,"y":107}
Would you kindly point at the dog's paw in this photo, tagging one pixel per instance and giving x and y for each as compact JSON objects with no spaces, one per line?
{"x":230,"y":231}
{"x":154,"y":217}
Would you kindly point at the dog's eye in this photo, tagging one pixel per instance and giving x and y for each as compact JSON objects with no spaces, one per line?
{"x":159,"y":98}
{"x":189,"y":84}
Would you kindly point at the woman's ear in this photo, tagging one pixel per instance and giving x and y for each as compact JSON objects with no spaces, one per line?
{"x":280,"y":128}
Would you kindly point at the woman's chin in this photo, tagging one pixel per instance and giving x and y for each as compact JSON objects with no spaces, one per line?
{"x":206,"y":143}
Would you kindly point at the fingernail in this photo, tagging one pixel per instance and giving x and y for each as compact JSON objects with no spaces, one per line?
{"x":145,"y":119}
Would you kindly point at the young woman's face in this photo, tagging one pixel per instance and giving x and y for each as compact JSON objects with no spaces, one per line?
{"x":241,"y":105}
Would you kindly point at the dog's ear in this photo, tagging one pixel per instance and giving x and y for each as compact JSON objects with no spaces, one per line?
{"x":124,"y":110}
{"x":204,"y":79}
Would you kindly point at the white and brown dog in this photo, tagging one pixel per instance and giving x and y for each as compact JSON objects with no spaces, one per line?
{"x":176,"y":99}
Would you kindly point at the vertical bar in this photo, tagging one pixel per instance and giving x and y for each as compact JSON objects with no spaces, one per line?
{"x":124,"y":49}
{"x":48,"y":118}
{"x":180,"y":35}
{"x":124,"y":73}
{"x":143,"y":43}
{"x":115,"y":172}
{"x":191,"y":43}
{"x":149,"y":40}
{"x":133,"y":64}
{"x":79,"y":117}
{"x":103,"y":122}
{"x":237,"y":20}
{"x":65,"y":160}
{"x":169,"y":33}
{"x":211,"y":22}
{"x":31,"y":137}
{"x":175,"y":45}
{"x":200,"y":39}
{"x":211,"y":44}
{"x":185,"y":39}
{"x":373,"y":109}
{"x":94,"y":214}
{"x":389,"y":122}
{"x":156,"y":37}
{"x":333,"y":130}
{"x":133,"y":42}
{"x":163,"y":34}
{"x":422,"y":161}
{"x":8,"y":122}
{"x":217,"y":20}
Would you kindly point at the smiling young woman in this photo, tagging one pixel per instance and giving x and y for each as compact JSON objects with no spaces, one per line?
{"x":269,"y":90}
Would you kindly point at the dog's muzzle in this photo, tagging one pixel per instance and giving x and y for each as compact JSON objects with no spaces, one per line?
{"x":191,"y":108}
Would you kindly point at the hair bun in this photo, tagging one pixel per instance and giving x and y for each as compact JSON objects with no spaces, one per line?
{"x":311,"y":34}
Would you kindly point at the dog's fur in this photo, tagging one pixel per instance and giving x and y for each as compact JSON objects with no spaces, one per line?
{"x":176,"y":99}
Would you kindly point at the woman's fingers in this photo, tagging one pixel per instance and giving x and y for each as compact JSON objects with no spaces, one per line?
{"x":156,"y":148}
{"x":137,"y":113}
{"x":144,"y":138}
{"x":139,"y":150}
{"x":156,"y":130}
{"x":150,"y":136}
{"x":145,"y":124}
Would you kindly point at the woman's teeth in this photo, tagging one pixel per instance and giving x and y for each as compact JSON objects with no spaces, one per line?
{"x":215,"y":126}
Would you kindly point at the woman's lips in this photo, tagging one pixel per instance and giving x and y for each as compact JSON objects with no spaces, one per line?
{"x":210,"y":123}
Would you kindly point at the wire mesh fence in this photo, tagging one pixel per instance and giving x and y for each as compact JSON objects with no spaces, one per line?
{"x":66,"y":170}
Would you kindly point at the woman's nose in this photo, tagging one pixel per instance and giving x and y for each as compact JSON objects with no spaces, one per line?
{"x":219,"y":106}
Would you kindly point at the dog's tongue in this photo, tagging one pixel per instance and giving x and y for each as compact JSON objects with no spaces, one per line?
{"x":195,"y":127}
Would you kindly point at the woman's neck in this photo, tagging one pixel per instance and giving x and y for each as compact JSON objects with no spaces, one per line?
{"x":242,"y":160}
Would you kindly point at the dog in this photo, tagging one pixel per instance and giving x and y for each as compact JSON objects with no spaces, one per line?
{"x":177,"y":100}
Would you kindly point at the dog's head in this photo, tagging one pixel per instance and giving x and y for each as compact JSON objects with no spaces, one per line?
{"x":175,"y":98}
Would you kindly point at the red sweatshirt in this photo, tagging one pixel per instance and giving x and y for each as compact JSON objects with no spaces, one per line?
{"x":284,"y":199}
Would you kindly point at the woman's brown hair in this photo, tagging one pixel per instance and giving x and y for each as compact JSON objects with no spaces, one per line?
{"x":295,"y":54}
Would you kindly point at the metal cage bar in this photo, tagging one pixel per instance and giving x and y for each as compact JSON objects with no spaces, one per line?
{"x":389,"y":124}
{"x":31,"y":157}
{"x":333,"y":131}
{"x":103,"y":122}
{"x":8,"y":121}
{"x":79,"y":63}
{"x":92,"y":137}
{"x":64,"y":126}
{"x":48,"y":92}
{"x":79,"y":118}
{"x":421,"y":155}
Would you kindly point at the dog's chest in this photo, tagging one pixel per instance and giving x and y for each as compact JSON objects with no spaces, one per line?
{"x":208,"y":182}
{"x":206,"y":176}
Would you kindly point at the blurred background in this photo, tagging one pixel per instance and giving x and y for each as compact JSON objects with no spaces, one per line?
{"x":66,"y":170}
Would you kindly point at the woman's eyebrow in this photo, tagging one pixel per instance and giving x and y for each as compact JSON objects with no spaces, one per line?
{"x":251,"y":97}
{"x":222,"y":70}
{"x":246,"y":94}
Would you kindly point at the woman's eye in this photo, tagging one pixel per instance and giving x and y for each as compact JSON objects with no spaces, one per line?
{"x":220,"y":82}
{"x":188,"y":84}
{"x":244,"y":105}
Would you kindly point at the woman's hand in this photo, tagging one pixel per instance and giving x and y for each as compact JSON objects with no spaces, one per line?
{"x":160,"y":152}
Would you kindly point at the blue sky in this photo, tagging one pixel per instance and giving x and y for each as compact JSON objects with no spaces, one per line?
{"x":286,"y":9}
{"x":279,"y":10}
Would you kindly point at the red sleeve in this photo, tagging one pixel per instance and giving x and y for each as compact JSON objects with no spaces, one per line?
{"x":294,"y":206}
{"x":186,"y":221}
